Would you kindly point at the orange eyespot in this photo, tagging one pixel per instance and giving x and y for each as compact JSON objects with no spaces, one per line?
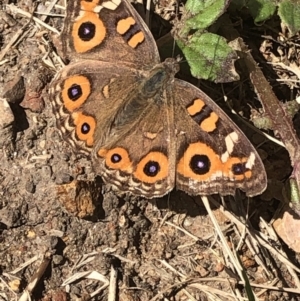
{"x":88,"y":32}
{"x":76,"y":90}
{"x":199,"y":162}
{"x":152,"y":168}
{"x":85,"y":127}
{"x":116,"y":158}
{"x":235,"y":168}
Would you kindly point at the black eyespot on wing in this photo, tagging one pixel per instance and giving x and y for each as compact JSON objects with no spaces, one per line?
{"x":85,"y":128}
{"x":239,"y":168}
{"x":151,"y":168}
{"x":116,"y":158}
{"x":200,"y":164}
{"x":74,"y":92}
{"x":87,"y":31}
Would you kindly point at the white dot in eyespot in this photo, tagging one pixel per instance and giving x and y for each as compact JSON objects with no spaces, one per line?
{"x":152,"y":169}
{"x":200,"y":164}
{"x":115,"y":158}
{"x":86,"y":31}
{"x":238,"y":169}
{"x":85,"y":128}
{"x":74,"y":92}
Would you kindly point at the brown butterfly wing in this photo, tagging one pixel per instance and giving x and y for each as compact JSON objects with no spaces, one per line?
{"x":110,"y":31}
{"x":144,"y":129}
{"x":110,"y":112}
{"x":214,"y":156}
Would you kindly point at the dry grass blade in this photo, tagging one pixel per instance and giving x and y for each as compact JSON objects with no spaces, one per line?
{"x":17,"y":10}
{"x":112,"y":291}
{"x":229,"y":253}
{"x":36,"y":278}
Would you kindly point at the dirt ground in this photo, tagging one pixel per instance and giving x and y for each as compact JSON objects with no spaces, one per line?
{"x":64,"y":235}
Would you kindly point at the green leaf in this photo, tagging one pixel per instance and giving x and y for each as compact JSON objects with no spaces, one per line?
{"x":289,"y":12}
{"x":261,"y":10}
{"x":201,"y":14}
{"x":210,"y":57}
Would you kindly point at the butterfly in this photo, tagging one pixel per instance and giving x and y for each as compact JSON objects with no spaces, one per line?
{"x":145,"y":131}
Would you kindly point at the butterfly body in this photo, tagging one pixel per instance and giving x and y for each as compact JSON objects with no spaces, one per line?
{"x":146,"y":131}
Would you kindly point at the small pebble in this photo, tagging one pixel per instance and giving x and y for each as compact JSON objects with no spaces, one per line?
{"x":63,"y":178}
{"x":57,"y":259}
{"x":30,"y":187}
{"x":14,"y":90}
{"x":47,"y":172}
{"x":6,"y":123}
